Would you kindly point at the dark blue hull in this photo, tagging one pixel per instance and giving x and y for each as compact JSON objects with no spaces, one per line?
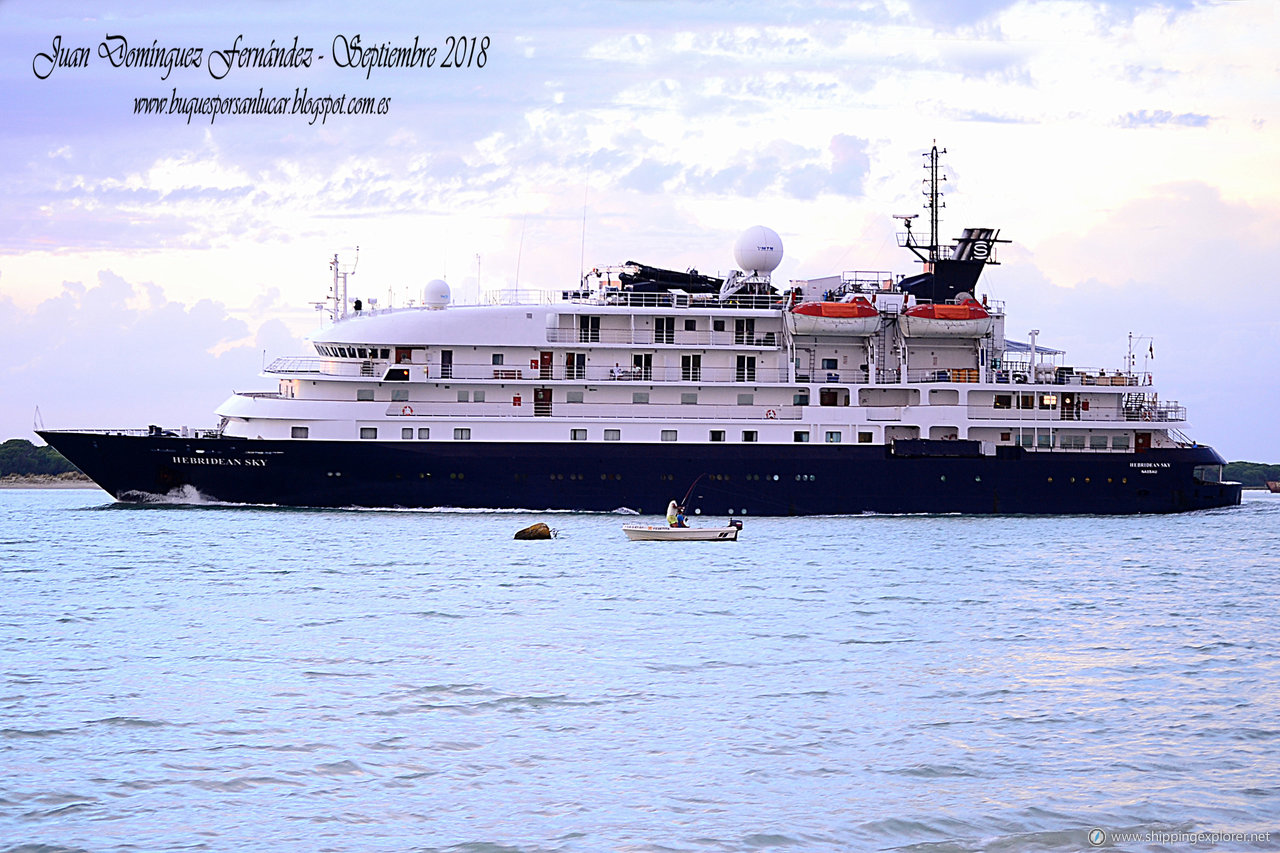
{"x":760,"y":479}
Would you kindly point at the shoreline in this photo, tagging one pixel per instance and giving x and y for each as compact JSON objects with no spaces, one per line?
{"x":47,"y":481}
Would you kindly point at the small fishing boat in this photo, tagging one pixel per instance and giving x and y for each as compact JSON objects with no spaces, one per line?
{"x":654,"y":533}
{"x":1273,"y":486}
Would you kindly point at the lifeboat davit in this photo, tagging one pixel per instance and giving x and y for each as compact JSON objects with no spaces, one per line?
{"x":857,"y":317}
{"x":968,"y":319}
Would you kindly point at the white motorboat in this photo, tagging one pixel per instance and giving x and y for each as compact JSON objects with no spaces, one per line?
{"x":663,"y":533}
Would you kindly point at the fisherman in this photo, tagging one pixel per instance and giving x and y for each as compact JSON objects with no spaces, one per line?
{"x":681,"y":521}
{"x":673,"y":519}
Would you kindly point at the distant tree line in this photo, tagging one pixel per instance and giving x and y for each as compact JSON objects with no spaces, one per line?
{"x":1250,"y":473}
{"x":22,"y":458}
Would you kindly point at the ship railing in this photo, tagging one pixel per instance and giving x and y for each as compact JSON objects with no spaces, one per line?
{"x":946,"y":374}
{"x":172,"y":432}
{"x":672,"y":299}
{"x":1159,"y":413}
{"x":647,"y":337}
{"x":522,"y":406}
{"x":519,"y":296}
{"x":324,"y":366}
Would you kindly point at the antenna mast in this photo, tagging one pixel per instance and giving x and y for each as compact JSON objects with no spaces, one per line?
{"x":934,"y":198}
{"x":340,"y":285}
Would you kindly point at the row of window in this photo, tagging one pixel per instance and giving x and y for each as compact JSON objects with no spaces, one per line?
{"x":353,"y":352}
{"x":800,"y":436}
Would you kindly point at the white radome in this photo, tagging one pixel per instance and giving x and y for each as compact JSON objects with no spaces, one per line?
{"x":758,"y":250}
{"x":436,"y":294}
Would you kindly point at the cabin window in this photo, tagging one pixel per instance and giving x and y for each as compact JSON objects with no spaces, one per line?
{"x":464,"y":396}
{"x":1003,"y":401}
{"x":424,"y":432}
{"x":497,"y":358}
{"x":864,"y":438}
{"x":689,"y":399}
{"x":461,"y":434}
{"x":1207,"y":473}
{"x":613,"y":435}
{"x":588,"y":329}
{"x":573,"y":396}
{"x":639,"y":396}
{"x":1120,"y":442}
{"x":664,"y":330}
{"x":717,"y":435}
{"x":746,"y":399}
{"x":1048,"y":401}
{"x":800,"y":399}
{"x":744,"y":331}
{"x":717,"y":325}
{"x":399,"y":395}
{"x":577,"y":435}
{"x":800,"y":436}
{"x":406,"y":432}
{"x":299,"y":432}
{"x":750,"y":435}
{"x":668,"y":435}
{"x":1072,"y":442}
{"x":364,"y":396}
{"x":1006,"y":436}
{"x":831,"y":364}
{"x":368,"y":432}
{"x":1044,"y":440}
{"x":833,"y":436}
{"x":1097,"y":442}
{"x":1026,"y":439}
{"x":1026,"y":401}
{"x":384,"y":353}
{"x":477,"y":397}
{"x":404,"y":355}
{"x":691,"y":368}
{"x":691,"y":325}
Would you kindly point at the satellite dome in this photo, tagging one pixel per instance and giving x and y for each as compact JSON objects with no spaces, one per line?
{"x":436,"y":294}
{"x":758,"y":250}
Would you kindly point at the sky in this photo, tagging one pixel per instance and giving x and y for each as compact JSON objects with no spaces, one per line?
{"x":150,"y":264}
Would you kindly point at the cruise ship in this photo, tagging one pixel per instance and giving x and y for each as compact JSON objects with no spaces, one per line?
{"x":861,"y":392}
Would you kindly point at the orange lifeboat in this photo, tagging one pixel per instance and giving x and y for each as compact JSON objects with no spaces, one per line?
{"x":968,"y":319}
{"x":856,"y":317}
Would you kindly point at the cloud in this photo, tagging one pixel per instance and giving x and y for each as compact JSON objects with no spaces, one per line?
{"x":117,"y":355}
{"x":1154,"y":118}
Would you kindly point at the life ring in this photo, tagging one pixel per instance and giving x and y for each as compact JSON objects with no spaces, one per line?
{"x":1146,"y":416}
{"x":406,"y":410}
{"x":771,"y":415}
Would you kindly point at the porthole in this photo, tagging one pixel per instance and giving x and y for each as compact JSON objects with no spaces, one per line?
{"x":977,"y":479}
{"x":1050,"y":479}
{"x":943,"y":478}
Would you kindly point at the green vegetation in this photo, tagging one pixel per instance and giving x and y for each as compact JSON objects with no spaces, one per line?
{"x":1251,"y":473}
{"x":19,"y":457}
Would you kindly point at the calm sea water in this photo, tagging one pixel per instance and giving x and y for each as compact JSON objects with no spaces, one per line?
{"x":230,"y":678}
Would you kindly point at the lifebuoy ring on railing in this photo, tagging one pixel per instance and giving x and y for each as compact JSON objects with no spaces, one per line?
{"x":406,"y":410}
{"x":771,"y":415}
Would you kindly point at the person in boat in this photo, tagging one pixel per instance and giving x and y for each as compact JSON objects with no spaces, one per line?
{"x":673,"y":513}
{"x":681,"y":521}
